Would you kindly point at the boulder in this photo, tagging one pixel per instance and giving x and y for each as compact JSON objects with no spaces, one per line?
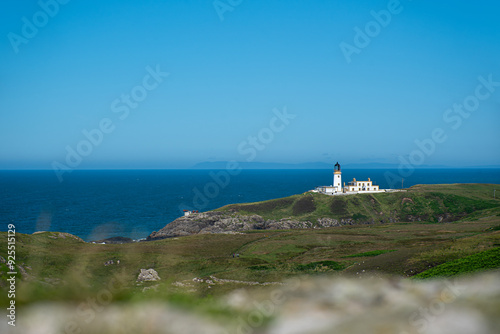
{"x":148,"y":275}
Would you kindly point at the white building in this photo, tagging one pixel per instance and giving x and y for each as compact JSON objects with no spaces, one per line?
{"x":361,"y":186}
{"x":190,"y":212}
{"x":353,"y":187}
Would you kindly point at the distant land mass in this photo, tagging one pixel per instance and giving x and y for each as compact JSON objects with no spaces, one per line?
{"x":264,"y":165}
{"x":317,"y":165}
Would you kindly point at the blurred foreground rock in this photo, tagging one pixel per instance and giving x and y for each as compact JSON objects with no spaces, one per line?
{"x":308,"y":305}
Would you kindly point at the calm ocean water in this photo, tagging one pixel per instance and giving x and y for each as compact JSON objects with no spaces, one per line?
{"x":132,"y":203}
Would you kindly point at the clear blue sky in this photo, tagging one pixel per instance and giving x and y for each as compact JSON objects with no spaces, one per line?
{"x":226,"y":76}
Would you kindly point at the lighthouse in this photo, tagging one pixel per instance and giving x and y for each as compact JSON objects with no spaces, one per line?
{"x":337,"y":178}
{"x":353,"y":187}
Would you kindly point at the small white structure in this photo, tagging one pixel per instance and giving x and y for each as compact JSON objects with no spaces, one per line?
{"x":190,"y":212}
{"x":353,"y":187}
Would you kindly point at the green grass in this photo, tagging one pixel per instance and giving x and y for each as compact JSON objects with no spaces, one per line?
{"x":370,"y":253}
{"x":68,"y":269}
{"x":273,"y":251}
{"x":260,"y":268}
{"x":485,"y":260}
{"x":431,"y":203}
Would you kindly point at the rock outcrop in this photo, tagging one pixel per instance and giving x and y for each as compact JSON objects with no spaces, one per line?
{"x":148,"y":275}
{"x":59,"y":235}
{"x":221,"y":222}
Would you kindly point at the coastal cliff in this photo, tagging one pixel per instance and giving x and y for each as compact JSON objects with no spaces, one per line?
{"x":421,"y":203}
{"x":220,"y":222}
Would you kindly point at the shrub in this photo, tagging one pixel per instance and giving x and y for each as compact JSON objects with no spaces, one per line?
{"x":320,"y":266}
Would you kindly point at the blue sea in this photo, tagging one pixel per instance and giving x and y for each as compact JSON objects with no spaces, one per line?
{"x":98,"y":204}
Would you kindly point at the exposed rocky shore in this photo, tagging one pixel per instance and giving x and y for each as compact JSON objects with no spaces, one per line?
{"x":221,"y":222}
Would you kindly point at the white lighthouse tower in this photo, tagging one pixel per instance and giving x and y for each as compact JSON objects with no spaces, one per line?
{"x":337,"y":178}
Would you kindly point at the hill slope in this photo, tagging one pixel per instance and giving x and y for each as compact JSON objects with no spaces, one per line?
{"x":426,"y":203}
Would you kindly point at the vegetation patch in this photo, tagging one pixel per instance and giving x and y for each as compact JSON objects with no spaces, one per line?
{"x":259,"y":268}
{"x":460,"y":204}
{"x":303,"y":206}
{"x":370,"y":253}
{"x":359,"y":216}
{"x":320,"y":266}
{"x":338,"y":206}
{"x":485,"y":260}
{"x":266,"y":206}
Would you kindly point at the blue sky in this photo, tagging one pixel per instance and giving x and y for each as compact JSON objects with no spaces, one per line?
{"x":233,"y":66}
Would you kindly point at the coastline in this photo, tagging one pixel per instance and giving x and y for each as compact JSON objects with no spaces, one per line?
{"x":97,"y":205}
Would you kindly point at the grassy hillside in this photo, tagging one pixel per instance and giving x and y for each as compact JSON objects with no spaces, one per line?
{"x":67,"y":269}
{"x":59,"y":267}
{"x":430,"y":203}
{"x":485,"y":260}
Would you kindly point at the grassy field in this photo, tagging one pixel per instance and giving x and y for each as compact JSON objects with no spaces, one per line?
{"x":60,"y":267}
{"x":485,"y":260}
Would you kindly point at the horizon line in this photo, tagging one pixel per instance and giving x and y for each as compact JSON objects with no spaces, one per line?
{"x":204,"y":168}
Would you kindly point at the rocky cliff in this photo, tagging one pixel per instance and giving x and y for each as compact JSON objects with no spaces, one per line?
{"x":221,"y":222}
